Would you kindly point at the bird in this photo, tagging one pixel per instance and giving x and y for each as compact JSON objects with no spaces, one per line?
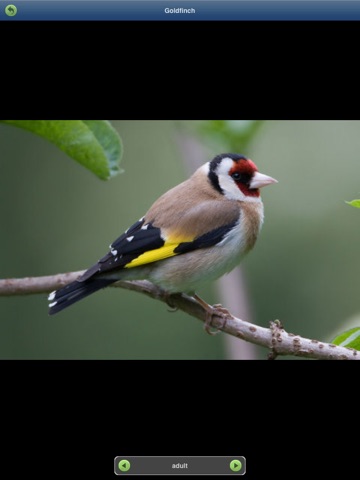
{"x":193,"y":234}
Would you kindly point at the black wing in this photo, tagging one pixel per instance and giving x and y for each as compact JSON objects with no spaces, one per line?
{"x":207,"y":240}
{"x":141,"y":238}
{"x":138,"y":239}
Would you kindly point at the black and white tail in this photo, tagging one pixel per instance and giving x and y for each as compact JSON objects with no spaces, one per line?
{"x":75,"y":291}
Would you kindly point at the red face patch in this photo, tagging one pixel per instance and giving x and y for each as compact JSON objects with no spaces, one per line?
{"x":242,"y":173}
{"x":252,"y":165}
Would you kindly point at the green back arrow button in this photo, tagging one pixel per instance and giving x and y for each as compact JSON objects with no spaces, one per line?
{"x":10,"y":10}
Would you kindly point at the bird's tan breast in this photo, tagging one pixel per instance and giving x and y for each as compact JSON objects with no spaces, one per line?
{"x":252,"y":217}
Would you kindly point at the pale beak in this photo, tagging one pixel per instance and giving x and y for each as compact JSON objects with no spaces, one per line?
{"x":260,"y":180}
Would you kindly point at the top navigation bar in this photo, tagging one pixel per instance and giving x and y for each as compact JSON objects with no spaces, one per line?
{"x":179,"y":10}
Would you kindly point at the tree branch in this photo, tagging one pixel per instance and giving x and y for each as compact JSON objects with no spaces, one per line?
{"x":274,"y":338}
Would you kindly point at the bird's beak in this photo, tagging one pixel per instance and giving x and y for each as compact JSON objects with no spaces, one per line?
{"x":260,"y":180}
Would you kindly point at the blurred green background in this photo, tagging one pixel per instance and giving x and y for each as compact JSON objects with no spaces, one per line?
{"x":58,"y":217}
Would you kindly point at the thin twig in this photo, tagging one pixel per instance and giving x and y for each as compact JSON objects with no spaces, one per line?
{"x":274,"y":338}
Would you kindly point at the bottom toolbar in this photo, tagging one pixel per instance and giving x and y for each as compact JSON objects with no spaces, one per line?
{"x":128,"y":465}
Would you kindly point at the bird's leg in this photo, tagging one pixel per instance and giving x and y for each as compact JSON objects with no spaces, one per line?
{"x":217,"y":309}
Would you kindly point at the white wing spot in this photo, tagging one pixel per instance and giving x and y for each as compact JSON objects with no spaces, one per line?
{"x":145,"y":227}
{"x":114,"y":252}
{"x":52,"y":296}
{"x":129,"y":239}
{"x":52,"y":304}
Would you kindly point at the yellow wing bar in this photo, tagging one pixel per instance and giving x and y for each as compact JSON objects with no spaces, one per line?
{"x":151,"y":256}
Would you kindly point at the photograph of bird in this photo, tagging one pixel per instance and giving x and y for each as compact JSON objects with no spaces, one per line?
{"x":193,"y":234}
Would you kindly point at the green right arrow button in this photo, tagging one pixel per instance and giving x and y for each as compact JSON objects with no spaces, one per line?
{"x":235,"y":465}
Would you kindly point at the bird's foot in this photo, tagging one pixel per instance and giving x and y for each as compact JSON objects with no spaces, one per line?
{"x":211,"y":311}
{"x":169,"y":300}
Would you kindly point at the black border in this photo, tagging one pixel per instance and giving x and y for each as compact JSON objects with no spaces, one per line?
{"x":187,"y":70}
{"x":73,"y":418}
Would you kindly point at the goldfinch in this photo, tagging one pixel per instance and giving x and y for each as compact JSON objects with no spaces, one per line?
{"x":193,"y":234}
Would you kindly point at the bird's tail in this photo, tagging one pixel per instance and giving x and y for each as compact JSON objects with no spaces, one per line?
{"x":75,"y":291}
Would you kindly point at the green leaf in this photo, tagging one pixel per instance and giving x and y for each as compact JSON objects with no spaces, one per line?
{"x":231,"y":135}
{"x":349,"y":339}
{"x":95,"y":144}
{"x":354,"y":203}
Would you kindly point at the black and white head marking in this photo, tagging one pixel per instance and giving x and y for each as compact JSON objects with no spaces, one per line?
{"x":214,"y":165}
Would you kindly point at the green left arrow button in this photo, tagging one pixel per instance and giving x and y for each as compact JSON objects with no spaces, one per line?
{"x":124,"y":465}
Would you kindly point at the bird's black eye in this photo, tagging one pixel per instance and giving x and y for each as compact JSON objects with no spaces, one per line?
{"x":241,"y":177}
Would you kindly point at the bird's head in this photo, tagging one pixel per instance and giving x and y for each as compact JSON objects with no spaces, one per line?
{"x":237,"y":177}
